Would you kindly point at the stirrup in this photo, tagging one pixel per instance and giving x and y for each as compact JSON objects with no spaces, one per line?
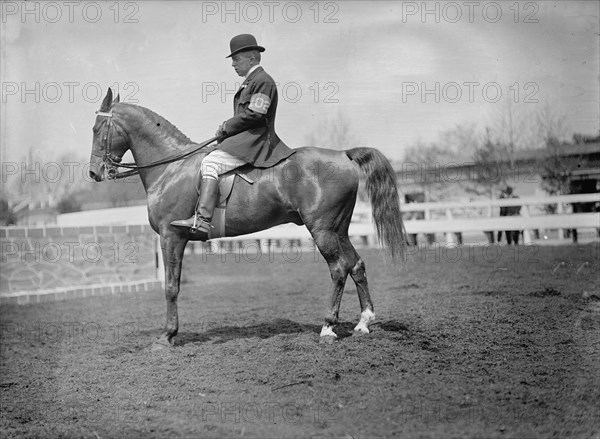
{"x":200,"y":221}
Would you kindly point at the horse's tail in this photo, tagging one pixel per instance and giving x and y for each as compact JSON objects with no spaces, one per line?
{"x":383,"y":192}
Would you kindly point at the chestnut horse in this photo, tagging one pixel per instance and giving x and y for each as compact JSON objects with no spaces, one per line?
{"x":321,"y":195}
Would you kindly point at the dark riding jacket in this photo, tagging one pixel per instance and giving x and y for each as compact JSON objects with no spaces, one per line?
{"x":509,"y":210}
{"x":250,"y":133}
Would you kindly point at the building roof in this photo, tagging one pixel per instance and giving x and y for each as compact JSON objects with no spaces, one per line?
{"x":567,"y":150}
{"x":521,"y":157}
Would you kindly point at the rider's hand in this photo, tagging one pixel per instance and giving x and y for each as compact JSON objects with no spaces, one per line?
{"x":221,"y":131}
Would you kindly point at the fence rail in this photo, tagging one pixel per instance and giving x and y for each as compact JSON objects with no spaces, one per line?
{"x":41,"y":257}
{"x":448,"y":222}
{"x":528,"y":220}
{"x":53,"y":263}
{"x":505,"y":202}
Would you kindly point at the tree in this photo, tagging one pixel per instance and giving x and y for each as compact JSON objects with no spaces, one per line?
{"x":512,"y":129}
{"x":7,"y":215}
{"x":583,"y":138}
{"x":68,"y":204}
{"x":44,"y":178}
{"x":460,"y":142}
{"x":453,"y":148}
{"x":490,"y":166}
{"x":335,"y":132}
{"x":556,"y":169}
{"x":111,"y":193}
{"x":550,"y":126}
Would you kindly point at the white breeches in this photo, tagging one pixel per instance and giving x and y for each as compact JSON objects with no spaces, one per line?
{"x":219,"y":162}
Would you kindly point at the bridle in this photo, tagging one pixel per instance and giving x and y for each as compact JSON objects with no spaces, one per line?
{"x":112,"y":162}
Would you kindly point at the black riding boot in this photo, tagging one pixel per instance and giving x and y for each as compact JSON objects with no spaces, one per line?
{"x":200,"y":222}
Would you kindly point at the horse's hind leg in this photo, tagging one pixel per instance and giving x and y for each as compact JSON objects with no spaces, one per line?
{"x":359,"y":276}
{"x":329,"y":245}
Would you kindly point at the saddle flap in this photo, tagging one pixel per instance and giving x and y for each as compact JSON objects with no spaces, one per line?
{"x":226,"y":185}
{"x":226,"y":182}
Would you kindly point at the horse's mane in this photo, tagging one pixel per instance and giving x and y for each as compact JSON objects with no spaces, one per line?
{"x":158,"y":126}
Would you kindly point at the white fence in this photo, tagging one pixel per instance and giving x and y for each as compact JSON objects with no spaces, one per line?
{"x":450,"y":218}
{"x":440,"y":217}
{"x":481,"y":216}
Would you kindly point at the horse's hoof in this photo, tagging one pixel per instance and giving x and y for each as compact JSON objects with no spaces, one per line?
{"x":161,"y":344}
{"x":327,"y":335}
{"x":356,"y":333}
{"x":360,"y":330}
{"x":327,"y":339}
{"x":366,"y":318}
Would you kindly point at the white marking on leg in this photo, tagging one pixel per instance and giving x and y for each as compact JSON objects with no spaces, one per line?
{"x":327,"y":331}
{"x":366,"y":318}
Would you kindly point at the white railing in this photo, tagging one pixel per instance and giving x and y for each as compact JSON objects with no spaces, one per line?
{"x":453,"y":217}
{"x":526,"y":202}
{"x":439,"y":217}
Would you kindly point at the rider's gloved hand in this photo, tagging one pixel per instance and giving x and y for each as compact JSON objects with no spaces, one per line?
{"x":221,"y":130}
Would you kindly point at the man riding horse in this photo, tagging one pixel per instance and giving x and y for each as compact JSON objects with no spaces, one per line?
{"x":324,"y":205}
{"x":248,"y":137}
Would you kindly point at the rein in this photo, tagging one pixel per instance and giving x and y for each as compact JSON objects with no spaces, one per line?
{"x":112,"y":164}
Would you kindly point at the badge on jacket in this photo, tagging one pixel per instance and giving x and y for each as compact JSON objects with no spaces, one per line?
{"x":260,"y":103}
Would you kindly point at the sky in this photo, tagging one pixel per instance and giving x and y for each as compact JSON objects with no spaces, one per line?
{"x":398,"y":72}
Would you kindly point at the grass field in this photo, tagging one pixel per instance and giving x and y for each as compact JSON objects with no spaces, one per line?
{"x":479,"y":342}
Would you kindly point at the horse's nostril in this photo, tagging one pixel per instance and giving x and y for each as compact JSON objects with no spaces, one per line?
{"x":92,"y":174}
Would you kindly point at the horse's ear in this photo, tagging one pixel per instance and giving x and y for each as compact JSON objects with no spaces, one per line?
{"x":107,"y":102}
{"x":117,"y":99}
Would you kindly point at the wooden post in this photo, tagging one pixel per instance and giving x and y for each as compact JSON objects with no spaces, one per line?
{"x":449,"y":235}
{"x":490,"y":234}
{"x":559,"y":210}
{"x":526,"y":232}
{"x":430,"y":236}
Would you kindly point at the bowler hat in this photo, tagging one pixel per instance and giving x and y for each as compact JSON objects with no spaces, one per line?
{"x":243,"y":42}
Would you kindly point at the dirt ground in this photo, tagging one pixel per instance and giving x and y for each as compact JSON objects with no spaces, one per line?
{"x":490,"y":342}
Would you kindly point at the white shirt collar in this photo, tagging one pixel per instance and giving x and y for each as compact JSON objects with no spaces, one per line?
{"x":253,"y":68}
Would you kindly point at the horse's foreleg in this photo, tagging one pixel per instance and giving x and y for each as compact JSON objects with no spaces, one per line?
{"x":172,"y":248}
{"x":359,"y":276}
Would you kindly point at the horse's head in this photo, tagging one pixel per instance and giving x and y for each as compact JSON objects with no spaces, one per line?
{"x":109,"y":143}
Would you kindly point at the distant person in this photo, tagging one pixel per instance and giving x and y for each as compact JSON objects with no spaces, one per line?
{"x":412,"y":237}
{"x":511,"y":235}
{"x":583,"y":187}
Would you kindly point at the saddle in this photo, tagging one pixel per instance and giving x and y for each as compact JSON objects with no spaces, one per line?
{"x":226,"y":183}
